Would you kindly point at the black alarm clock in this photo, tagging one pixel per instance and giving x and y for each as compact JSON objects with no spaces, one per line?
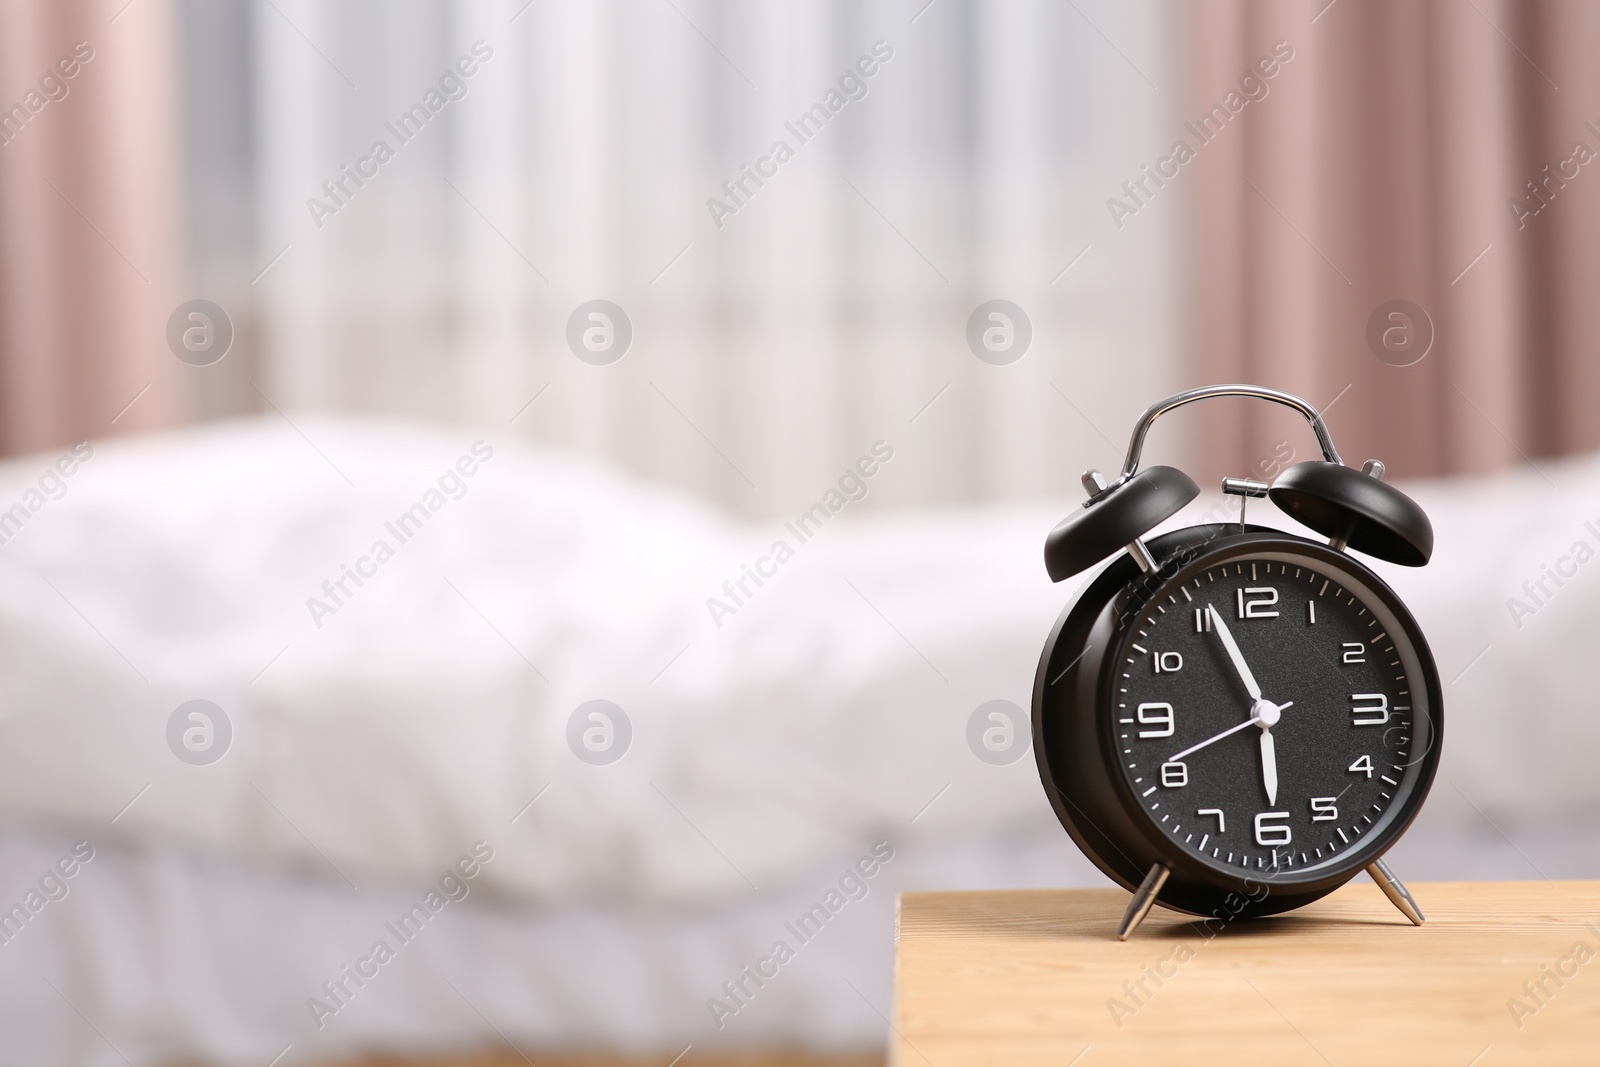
{"x":1232,"y":720}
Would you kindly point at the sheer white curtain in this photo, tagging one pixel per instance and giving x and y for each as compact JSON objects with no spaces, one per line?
{"x":769,"y":352}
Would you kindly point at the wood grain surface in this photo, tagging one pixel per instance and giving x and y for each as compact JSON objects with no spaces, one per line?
{"x":1037,"y":977}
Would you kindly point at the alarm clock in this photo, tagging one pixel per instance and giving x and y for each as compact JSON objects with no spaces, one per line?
{"x":1232,"y":720}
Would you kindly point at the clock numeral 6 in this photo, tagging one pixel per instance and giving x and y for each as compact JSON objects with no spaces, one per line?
{"x":1158,"y":716}
{"x":1324,"y":809}
{"x":1256,"y":602}
{"x":1272,"y":828}
{"x":1167,"y":662}
{"x":1175,"y":775}
{"x":1369,"y":709}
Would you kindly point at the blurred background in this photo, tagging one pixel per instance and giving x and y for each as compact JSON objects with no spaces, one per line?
{"x":992,"y":235}
{"x":579,"y":165}
{"x":988,"y":159}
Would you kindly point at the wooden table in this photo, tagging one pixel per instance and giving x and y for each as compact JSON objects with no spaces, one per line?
{"x":1037,"y":977}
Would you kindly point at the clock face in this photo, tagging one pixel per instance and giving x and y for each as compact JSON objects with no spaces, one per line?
{"x":1269,"y":715}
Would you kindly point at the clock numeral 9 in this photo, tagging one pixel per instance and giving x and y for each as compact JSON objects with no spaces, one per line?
{"x":1175,"y":775}
{"x":1256,"y":602}
{"x":1369,"y":709}
{"x":1158,"y":716}
{"x":1272,"y":829}
{"x":1324,"y":809}
{"x":1167,"y":662}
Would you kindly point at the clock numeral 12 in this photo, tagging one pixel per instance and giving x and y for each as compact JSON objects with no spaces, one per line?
{"x":1259,"y":602}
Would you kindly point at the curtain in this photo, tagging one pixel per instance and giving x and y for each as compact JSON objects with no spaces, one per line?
{"x":89,"y":249}
{"x":1434,"y":153}
{"x":778,"y":330}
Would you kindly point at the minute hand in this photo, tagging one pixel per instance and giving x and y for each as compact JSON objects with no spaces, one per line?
{"x":1235,"y":655}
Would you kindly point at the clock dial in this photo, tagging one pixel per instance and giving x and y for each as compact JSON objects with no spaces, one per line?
{"x":1264,"y":715}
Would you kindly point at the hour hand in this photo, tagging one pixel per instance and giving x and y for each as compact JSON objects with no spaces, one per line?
{"x":1269,"y":765}
{"x":1232,"y":647}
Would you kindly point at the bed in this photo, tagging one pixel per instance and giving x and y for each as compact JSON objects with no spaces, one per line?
{"x":395,"y":718}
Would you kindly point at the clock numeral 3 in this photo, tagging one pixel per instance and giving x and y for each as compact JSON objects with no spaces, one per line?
{"x":1158,"y":716}
{"x":1369,"y":709}
{"x":1272,"y":829}
{"x":1324,"y":809}
{"x":1256,"y":602}
{"x":1175,"y":775}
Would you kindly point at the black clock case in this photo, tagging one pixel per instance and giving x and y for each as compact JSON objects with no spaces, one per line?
{"x":1076,"y":748}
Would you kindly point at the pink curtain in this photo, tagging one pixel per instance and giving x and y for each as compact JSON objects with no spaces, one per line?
{"x":88,"y":223}
{"x":1385,"y":163}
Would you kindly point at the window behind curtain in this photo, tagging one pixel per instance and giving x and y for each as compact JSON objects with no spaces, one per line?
{"x":771,"y":346}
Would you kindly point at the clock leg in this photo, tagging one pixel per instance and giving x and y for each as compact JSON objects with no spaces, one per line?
{"x":1144,"y":898}
{"x":1395,"y":890}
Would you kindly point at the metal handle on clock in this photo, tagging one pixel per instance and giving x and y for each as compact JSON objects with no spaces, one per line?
{"x":1255,"y":392}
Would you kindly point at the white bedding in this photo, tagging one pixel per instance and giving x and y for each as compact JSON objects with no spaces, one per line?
{"x":431,"y":707}
{"x":175,"y":959}
{"x":156,"y":956}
